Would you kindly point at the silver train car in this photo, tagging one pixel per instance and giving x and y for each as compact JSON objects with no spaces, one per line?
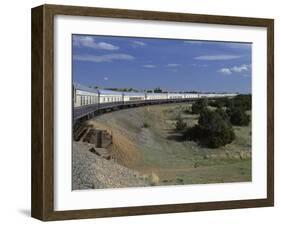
{"x":83,"y":96}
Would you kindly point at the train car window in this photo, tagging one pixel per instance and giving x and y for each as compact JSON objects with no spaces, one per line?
{"x":77,"y":100}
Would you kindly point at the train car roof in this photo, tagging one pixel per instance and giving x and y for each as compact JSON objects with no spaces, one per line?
{"x":156,"y":94}
{"x":106,"y":91}
{"x":176,"y":93}
{"x":111,"y":92}
{"x":133,"y":94}
{"x":84,"y":88}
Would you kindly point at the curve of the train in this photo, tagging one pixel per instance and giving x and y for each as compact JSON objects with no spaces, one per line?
{"x":89,"y":102}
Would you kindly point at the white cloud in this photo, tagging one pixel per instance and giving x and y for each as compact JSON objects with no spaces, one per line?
{"x":149,"y":66}
{"x":103,"y":58}
{"x":138,"y":43}
{"x":235,"y":69}
{"x":173,"y":65}
{"x":88,"y":41}
{"x":241,"y":68}
{"x":225,"y":71}
{"x":217,"y":57}
{"x":105,"y":78}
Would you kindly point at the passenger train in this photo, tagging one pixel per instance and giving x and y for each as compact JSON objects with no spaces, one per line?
{"x":83,"y":96}
{"x":87,"y":101}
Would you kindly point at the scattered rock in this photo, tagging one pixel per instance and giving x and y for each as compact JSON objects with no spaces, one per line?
{"x":89,"y":170}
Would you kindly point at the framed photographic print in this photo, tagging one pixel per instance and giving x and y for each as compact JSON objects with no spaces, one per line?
{"x":141,"y":112}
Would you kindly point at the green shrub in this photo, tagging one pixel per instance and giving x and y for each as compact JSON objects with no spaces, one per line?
{"x":145,"y":125}
{"x":240,"y":101}
{"x":180,"y":180}
{"x":244,"y":102}
{"x":223,"y":114}
{"x":199,"y":106}
{"x":238,"y":117}
{"x":219,"y":103}
{"x":212,"y":131}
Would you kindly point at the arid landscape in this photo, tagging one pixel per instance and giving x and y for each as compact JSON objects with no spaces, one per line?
{"x":147,"y":150}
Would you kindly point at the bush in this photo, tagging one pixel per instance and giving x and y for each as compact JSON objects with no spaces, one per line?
{"x":193,"y":133}
{"x":238,"y":117}
{"x":145,"y":125}
{"x":212,"y":131}
{"x":244,"y":102}
{"x":199,"y":106}
{"x":240,"y":101}
{"x":180,"y":124}
{"x":219,"y":103}
{"x":223,"y":114}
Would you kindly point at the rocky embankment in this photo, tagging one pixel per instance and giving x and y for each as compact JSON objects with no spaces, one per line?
{"x":91,"y":171}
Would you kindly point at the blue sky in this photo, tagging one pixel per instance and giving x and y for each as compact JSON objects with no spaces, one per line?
{"x":171,"y":64}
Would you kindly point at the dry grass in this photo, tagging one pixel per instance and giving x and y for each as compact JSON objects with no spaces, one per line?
{"x":123,"y":149}
{"x":152,"y":178}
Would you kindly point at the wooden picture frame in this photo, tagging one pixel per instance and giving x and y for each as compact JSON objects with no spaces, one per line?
{"x":43,"y":112}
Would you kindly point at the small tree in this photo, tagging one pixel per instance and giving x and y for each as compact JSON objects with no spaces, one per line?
{"x":199,"y":106}
{"x":238,"y":117}
{"x":219,"y":103}
{"x":212,"y":130}
{"x":223,"y":114}
{"x":244,"y":102}
{"x":157,"y":90}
